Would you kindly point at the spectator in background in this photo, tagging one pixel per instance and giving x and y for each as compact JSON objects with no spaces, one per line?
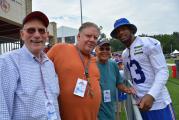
{"x":47,"y":48}
{"x":78,"y":75}
{"x":116,"y":56}
{"x":121,"y":96}
{"x":145,"y":65}
{"x":121,"y":67}
{"x":110,"y":80}
{"x":29,"y":85}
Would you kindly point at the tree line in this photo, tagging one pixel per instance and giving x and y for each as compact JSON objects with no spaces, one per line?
{"x":169,"y":42}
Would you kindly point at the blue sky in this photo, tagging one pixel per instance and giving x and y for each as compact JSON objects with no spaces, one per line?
{"x":150,"y":16}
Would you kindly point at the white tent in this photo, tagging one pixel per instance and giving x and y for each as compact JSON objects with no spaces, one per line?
{"x":175,"y":52}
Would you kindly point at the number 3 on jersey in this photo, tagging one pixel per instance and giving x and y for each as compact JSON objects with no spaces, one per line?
{"x":134,"y":65}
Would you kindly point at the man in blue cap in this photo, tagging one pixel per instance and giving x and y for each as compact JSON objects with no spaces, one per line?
{"x":145,"y":66}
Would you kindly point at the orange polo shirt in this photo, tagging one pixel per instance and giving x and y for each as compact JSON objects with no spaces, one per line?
{"x":69,"y":68}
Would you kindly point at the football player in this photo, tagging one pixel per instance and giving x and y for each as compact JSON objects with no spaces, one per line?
{"x":145,"y":66}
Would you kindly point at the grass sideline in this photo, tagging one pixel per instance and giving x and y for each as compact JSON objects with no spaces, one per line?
{"x":173,"y":85}
{"x":172,"y":60}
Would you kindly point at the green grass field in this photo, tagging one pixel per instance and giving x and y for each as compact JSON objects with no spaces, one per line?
{"x":172,"y":60}
{"x":173,"y":85}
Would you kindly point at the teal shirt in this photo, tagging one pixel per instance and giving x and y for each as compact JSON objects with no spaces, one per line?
{"x":109,"y":79}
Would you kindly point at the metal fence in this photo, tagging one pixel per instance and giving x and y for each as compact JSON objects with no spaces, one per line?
{"x":8,"y":44}
{"x":132,"y":109}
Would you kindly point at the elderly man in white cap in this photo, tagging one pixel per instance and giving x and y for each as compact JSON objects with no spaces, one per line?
{"x":29,"y":85}
{"x":145,"y":66}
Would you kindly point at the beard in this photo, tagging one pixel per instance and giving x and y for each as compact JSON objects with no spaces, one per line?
{"x":128,"y":40}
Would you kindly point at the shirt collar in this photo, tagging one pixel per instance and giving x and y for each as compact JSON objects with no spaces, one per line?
{"x":29,"y":54}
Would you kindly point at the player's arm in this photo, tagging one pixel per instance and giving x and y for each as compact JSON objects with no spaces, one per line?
{"x":160,"y":68}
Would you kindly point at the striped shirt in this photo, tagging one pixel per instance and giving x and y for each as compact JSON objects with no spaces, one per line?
{"x":22,"y":86}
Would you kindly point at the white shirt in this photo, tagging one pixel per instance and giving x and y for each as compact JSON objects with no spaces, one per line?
{"x":145,"y":63}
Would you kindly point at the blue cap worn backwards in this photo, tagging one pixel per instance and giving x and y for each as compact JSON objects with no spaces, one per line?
{"x":123,"y":22}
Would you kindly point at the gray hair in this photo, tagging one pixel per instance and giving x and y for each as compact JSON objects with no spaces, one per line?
{"x":88,"y":24}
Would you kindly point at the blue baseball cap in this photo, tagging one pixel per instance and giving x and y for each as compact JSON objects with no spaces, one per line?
{"x":123,"y":22}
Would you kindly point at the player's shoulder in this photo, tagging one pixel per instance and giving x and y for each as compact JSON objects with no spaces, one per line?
{"x":148,"y":41}
{"x":125,"y":52}
{"x":151,"y":45}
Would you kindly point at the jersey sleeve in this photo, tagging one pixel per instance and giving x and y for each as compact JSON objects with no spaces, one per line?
{"x":160,"y":68}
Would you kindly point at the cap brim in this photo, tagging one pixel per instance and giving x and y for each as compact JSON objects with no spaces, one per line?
{"x":37,"y":15}
{"x":131,"y":27}
{"x":104,"y":43}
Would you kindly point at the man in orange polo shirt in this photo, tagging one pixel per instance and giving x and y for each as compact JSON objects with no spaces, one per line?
{"x":78,"y":74}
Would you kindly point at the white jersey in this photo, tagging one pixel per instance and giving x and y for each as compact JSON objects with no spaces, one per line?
{"x":145,"y":63}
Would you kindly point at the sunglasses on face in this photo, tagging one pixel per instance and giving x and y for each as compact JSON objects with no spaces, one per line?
{"x":33,"y":30}
{"x":104,"y":49}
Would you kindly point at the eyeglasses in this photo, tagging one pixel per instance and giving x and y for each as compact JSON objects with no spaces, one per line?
{"x":32,"y":30}
{"x":104,"y":49}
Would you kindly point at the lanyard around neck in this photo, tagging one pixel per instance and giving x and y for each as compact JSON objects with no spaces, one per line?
{"x":86,"y":67}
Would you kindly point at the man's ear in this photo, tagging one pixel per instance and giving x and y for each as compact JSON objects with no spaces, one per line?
{"x":21,"y":34}
{"x":78,"y":37}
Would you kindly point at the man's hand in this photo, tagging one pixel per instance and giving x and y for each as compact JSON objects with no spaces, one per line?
{"x":125,"y":89}
{"x":129,"y":90}
{"x":146,"y":102}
